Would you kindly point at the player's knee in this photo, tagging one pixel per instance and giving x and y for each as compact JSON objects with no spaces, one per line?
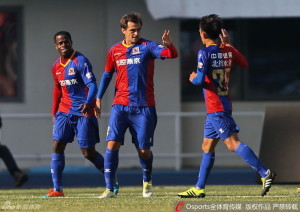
{"x":208,"y":148}
{"x":114,"y":145}
{"x":232,"y":143}
{"x":231,"y":147}
{"x":89,"y":155}
{"x":59,"y":147}
{"x":145,"y":153}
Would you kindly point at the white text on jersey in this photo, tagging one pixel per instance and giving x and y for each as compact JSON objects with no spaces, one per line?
{"x":128,"y":61}
{"x":68,"y":82}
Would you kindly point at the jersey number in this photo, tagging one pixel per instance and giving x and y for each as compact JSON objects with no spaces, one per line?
{"x":221,"y":76}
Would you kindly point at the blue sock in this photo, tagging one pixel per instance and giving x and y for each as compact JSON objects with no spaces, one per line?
{"x":99,"y":162}
{"x":207,"y":163}
{"x":249,"y":157}
{"x":57,"y":167}
{"x":147,"y":168}
{"x":111,"y":163}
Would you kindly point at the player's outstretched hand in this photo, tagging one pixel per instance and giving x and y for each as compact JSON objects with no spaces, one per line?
{"x":85,"y":108}
{"x":166,"y":38}
{"x":225,"y":38}
{"x":98,"y":108}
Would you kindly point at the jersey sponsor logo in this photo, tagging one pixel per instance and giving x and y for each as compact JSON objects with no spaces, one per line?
{"x":71,"y":71}
{"x":89,"y":75}
{"x":221,"y":130}
{"x":58,"y":73}
{"x":136,"y":50}
{"x":68,"y":82}
{"x":129,"y":61}
{"x":221,"y":55}
{"x":221,"y":63}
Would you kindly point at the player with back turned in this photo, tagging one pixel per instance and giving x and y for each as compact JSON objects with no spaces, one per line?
{"x":132,"y":59}
{"x":213,"y":72}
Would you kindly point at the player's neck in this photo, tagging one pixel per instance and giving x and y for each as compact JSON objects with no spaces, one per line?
{"x":209,"y":42}
{"x":128,"y":43}
{"x":66,"y":57}
{"x":65,"y":60}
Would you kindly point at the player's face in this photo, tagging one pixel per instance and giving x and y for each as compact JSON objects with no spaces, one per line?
{"x":132,"y":33}
{"x":63,"y":44}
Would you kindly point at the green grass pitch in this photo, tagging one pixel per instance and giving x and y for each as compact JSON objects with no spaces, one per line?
{"x":130,"y":198}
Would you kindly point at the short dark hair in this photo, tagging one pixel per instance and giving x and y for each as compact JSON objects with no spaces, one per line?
{"x":134,"y":17}
{"x":211,"y":25}
{"x":65,"y":33}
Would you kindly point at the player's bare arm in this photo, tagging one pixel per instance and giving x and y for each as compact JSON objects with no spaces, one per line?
{"x":98,"y":108}
{"x":225,"y":38}
{"x":166,"y":38}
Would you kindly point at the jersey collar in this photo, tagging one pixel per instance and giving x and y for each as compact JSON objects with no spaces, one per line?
{"x":64,"y":65}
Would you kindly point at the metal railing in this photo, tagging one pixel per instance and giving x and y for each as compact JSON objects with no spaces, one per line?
{"x":178,"y":155}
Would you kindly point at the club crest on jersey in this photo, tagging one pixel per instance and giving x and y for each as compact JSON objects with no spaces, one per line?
{"x":71,"y":71}
{"x":89,"y":75}
{"x":136,"y":50}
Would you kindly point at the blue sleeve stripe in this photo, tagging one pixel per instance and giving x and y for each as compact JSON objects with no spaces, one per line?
{"x":105,"y":80}
{"x":199,"y":79}
{"x":92,"y":92}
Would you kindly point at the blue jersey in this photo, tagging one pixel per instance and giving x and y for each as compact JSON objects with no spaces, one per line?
{"x":70,"y":80}
{"x":134,"y":67}
{"x":214,"y":64}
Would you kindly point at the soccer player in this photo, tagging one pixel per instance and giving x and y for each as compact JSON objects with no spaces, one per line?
{"x":74,"y":96}
{"x":19,"y":176}
{"x":213,"y":72}
{"x":132,"y":59}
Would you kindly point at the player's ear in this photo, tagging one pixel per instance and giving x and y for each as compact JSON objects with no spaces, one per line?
{"x":56,"y":46}
{"x":123,"y":31}
{"x":204,"y":35}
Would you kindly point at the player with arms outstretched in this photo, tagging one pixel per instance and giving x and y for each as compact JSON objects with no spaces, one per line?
{"x":213,"y":72}
{"x":132,"y":59}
